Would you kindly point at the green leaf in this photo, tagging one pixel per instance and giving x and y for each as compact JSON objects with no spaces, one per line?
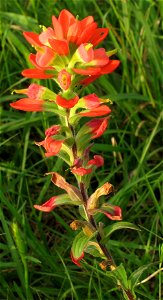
{"x":116,"y":226}
{"x":65,"y":199}
{"x":82,"y":212}
{"x":134,"y":278}
{"x":119,"y":274}
{"x":94,"y":249}
{"x":79,"y":244}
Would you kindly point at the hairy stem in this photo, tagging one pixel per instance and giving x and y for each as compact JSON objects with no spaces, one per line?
{"x":110,"y":261}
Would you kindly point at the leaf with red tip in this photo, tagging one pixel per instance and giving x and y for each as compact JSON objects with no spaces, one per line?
{"x":79,"y":244}
{"x":55,"y":201}
{"x":47,"y":206}
{"x":111,"y":211}
{"x":105,"y":189}
{"x":72,"y":191}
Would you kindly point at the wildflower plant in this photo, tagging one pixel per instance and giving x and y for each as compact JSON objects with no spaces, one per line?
{"x":69,"y":54}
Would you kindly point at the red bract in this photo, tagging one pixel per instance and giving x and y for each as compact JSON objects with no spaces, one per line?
{"x":97,"y":127}
{"x":34,"y":101}
{"x":51,"y":146}
{"x":97,"y":111}
{"x":47,"y":206}
{"x":52,"y":130}
{"x":81,"y":171}
{"x":28,"y":104}
{"x":66,"y":103}
{"x":98,"y":161}
{"x":36,"y":73}
{"x":114,"y":214}
{"x":97,"y":71}
{"x":91,"y":101}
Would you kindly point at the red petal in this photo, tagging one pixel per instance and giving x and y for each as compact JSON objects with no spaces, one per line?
{"x":47,"y":206}
{"x":97,"y":111}
{"x":32,"y":38}
{"x":66,"y":103}
{"x":59,"y":46}
{"x":36,"y":73}
{"x":27,"y":104}
{"x":99,"y":35}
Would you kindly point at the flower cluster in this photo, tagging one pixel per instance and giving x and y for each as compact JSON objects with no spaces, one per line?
{"x":66,"y":53}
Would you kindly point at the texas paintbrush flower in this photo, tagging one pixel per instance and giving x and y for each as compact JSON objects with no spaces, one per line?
{"x":66,"y":54}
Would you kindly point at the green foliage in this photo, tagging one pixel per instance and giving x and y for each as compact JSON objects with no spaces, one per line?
{"x":131,"y":147}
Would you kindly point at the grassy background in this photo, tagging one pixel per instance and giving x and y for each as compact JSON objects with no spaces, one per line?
{"x":34,"y":259}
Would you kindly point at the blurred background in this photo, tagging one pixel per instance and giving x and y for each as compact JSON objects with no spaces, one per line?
{"x":35,"y":248}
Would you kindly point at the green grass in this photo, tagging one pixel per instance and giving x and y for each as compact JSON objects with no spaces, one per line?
{"x":34,"y":260}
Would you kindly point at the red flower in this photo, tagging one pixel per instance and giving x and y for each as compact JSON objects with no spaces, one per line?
{"x":38,"y":72}
{"x":97,"y":161}
{"x":78,"y":169}
{"x":64,"y":79}
{"x":66,"y":103}
{"x":47,"y":206}
{"x":36,"y":94}
{"x":51,"y":145}
{"x":97,"y":127}
{"x":78,"y":32}
{"x":34,"y":101}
